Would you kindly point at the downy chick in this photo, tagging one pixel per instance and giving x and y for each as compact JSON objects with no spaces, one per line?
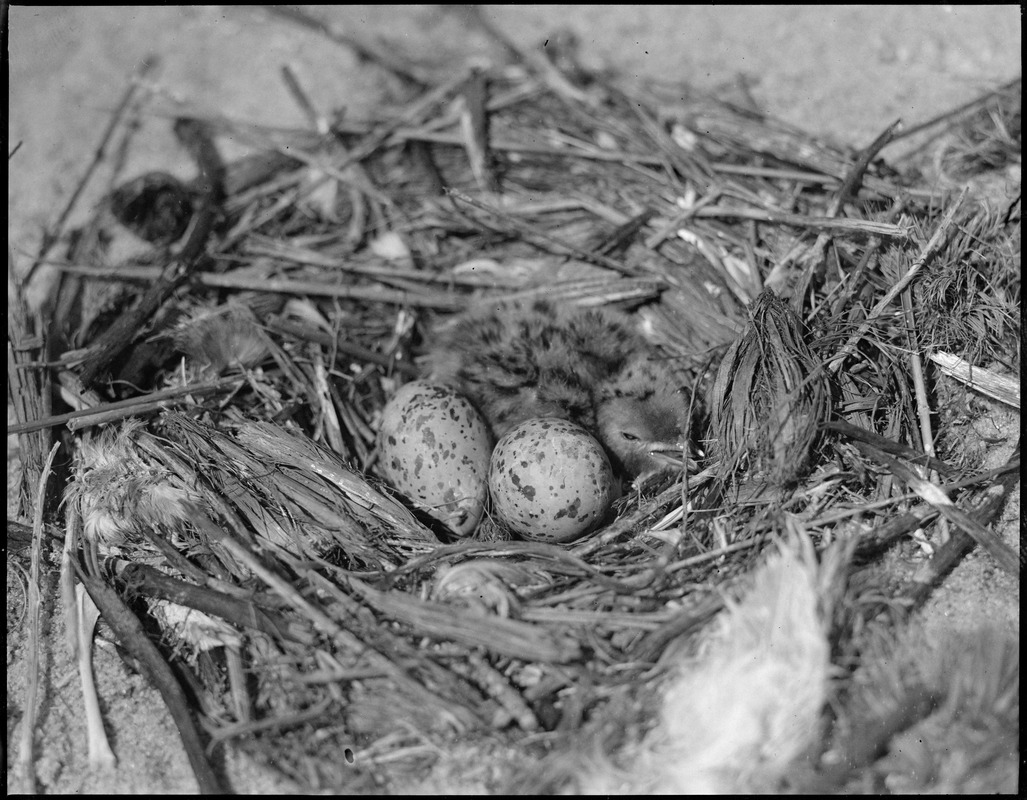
{"x":516,"y":361}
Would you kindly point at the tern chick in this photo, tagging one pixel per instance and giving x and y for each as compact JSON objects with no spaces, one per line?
{"x":516,"y":361}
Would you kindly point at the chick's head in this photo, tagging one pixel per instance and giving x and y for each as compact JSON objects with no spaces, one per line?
{"x":642,"y":435}
{"x":641,"y":417}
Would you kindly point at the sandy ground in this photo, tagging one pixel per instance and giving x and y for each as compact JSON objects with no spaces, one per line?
{"x":845,"y":72}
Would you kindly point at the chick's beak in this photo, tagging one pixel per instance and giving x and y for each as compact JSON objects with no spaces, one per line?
{"x":673,"y":454}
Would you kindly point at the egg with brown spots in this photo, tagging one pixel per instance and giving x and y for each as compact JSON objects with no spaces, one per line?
{"x":434,"y":448}
{"x":550,"y":480}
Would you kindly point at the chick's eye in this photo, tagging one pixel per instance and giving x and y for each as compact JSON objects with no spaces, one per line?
{"x":630,"y":437}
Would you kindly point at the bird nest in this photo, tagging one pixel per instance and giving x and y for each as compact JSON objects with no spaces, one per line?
{"x":227,"y":343}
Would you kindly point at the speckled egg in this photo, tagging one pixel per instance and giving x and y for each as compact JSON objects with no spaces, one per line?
{"x":434,"y":448}
{"x":550,"y":480}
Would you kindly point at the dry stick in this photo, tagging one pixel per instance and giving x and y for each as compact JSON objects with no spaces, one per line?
{"x":375,"y":139}
{"x":312,"y":334}
{"x":712,"y":554}
{"x":364,"y":50}
{"x":134,"y":638}
{"x":29,"y":393}
{"x":587,"y":293}
{"x":920,"y":389}
{"x":926,"y":254}
{"x":98,"y":746}
{"x":495,"y":685}
{"x":890,"y":446}
{"x":357,"y":179}
{"x":856,"y":278}
{"x":508,"y":637}
{"x":110,"y":345}
{"x":1013,"y":465}
{"x":258,"y":137}
{"x":434,"y":684}
{"x":537,"y":63}
{"x":654,"y":643}
{"x":621,"y":236}
{"x":52,"y":236}
{"x":313,"y":714}
{"x":1003,"y":388}
{"x":72,"y":526}
{"x":283,"y":250}
{"x":957,"y":114}
{"x":691,"y":166}
{"x":265,"y":137}
{"x":849,"y":189}
{"x":828,"y":224}
{"x":142,"y":579}
{"x":474,"y":126}
{"x":579,"y":150}
{"x":28,"y":730}
{"x":537,"y":238}
{"x":329,"y":627}
{"x":144,"y":408}
{"x":386,"y":134}
{"x":316,"y":288}
{"x":80,"y":616}
{"x":449,"y":119}
{"x":317,"y":120}
{"x":382,"y":134}
{"x":934,"y":496}
{"x":946,"y":556}
{"x":109,"y":412}
{"x":854,"y":179}
{"x":640,"y":620}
